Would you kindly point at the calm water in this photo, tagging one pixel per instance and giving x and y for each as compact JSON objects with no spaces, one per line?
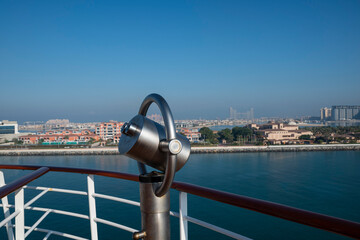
{"x":221,"y":127}
{"x":325,"y":182}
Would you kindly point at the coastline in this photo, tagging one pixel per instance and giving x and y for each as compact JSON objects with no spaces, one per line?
{"x":217,"y":149}
{"x":277,"y":148}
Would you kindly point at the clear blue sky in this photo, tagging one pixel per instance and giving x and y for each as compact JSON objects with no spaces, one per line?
{"x":97,"y":60}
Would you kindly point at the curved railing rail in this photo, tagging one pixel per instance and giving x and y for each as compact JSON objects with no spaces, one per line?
{"x":317,"y":220}
{"x":328,"y":223}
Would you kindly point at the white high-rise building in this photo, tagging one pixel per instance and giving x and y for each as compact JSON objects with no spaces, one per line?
{"x":325,"y":113}
{"x":9,"y":127}
{"x":345,"y":112}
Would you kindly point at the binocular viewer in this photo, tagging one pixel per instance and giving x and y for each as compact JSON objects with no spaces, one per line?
{"x":145,"y":141}
{"x":159,"y":147}
{"x":153,"y":144}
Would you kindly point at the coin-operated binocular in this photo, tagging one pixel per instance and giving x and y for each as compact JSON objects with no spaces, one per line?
{"x":163,"y":149}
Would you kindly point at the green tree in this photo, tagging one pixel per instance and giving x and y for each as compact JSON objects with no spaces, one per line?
{"x":17,"y":141}
{"x":305,"y":137}
{"x":226,"y":134}
{"x":91,"y":141}
{"x":320,"y":140}
{"x":241,"y":131}
{"x":215,"y":140}
{"x":207,"y":134}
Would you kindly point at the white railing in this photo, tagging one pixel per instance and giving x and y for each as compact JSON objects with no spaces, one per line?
{"x":20,"y":207}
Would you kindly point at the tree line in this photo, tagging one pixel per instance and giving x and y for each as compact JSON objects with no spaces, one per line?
{"x":337,"y":130}
{"x":324,"y":134}
{"x":236,"y":134}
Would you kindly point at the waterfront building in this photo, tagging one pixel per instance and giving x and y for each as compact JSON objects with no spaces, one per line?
{"x":325,"y":114}
{"x":107,"y":130}
{"x":60,"y":138}
{"x":67,"y":132}
{"x":191,"y":133}
{"x":280,"y":133}
{"x":9,"y":127}
{"x":9,"y":130}
{"x":345,"y":112}
{"x":30,"y":139}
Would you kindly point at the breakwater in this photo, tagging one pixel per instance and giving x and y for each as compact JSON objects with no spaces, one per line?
{"x":277,"y":148}
{"x":217,"y":149}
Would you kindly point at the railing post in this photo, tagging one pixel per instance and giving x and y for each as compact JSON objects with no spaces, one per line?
{"x":92,"y":207}
{"x":19,"y":219}
{"x":182,"y":216}
{"x":5,"y":204}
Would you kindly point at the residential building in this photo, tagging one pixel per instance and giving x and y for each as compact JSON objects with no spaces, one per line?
{"x":192,"y":134}
{"x":64,"y":137}
{"x":325,"y":114}
{"x":345,"y":112}
{"x":107,"y":130}
{"x":67,"y":132}
{"x":280,"y":133}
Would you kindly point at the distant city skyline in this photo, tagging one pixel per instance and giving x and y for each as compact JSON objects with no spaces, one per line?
{"x":96,"y":61}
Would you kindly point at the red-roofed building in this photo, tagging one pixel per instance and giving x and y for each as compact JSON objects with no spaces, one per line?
{"x":59,"y":138}
{"x":107,"y":130}
{"x":191,"y":134}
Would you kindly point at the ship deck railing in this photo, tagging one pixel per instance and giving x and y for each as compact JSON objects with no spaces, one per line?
{"x":17,"y":231}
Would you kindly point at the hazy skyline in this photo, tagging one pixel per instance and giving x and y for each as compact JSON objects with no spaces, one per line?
{"x":95,"y":61}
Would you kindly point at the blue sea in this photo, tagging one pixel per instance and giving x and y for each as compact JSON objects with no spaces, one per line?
{"x":221,"y":127}
{"x":324,"y":182}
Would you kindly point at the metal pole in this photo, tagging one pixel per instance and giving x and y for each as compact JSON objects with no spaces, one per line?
{"x":155,"y":211}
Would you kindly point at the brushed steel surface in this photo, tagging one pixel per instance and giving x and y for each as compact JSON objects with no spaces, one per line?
{"x":155,"y":215}
{"x":170,"y":134}
{"x":144,"y":145}
{"x":141,"y":140}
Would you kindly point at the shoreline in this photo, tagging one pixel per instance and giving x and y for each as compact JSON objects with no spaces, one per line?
{"x":194,"y":150}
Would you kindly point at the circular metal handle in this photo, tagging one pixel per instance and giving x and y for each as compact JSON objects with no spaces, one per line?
{"x":170,"y":131}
